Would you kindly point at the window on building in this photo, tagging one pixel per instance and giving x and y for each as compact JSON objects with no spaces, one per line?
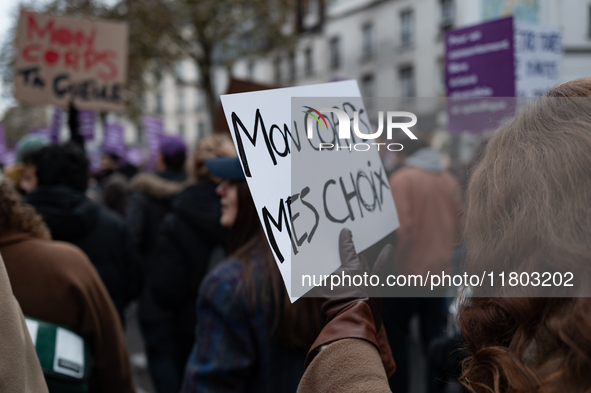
{"x":368,"y":86}
{"x":180,"y":102}
{"x":335,"y":53}
{"x":309,"y":54}
{"x":250,"y":69}
{"x":407,"y":81}
{"x":448,"y":14}
{"x":179,"y":71}
{"x":367,"y":32}
{"x":182,"y":129}
{"x":159,"y":107}
{"x":200,"y":130}
{"x":277,"y":70}
{"x":200,"y":100}
{"x":157,"y":77}
{"x":407,"y":28}
{"x":313,"y":7}
{"x":292,"y":67}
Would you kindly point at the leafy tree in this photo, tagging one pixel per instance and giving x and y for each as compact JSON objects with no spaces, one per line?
{"x":219,"y":32}
{"x":214,"y":33}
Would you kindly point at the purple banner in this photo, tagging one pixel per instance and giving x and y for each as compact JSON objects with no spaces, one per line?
{"x":479,"y":62}
{"x":94,"y":158}
{"x":9,"y":157}
{"x":3,"y":147}
{"x":56,"y":126}
{"x":43,"y":132}
{"x":135,"y":156}
{"x":114,"y":141}
{"x":154,"y":130}
{"x":86,"y":121}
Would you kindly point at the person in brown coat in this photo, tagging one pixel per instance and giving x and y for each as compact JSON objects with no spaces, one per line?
{"x":55,"y":282}
{"x":20,"y":371}
{"x":428,"y":200}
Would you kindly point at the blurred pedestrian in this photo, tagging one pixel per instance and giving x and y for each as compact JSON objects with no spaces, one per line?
{"x":26,"y":144}
{"x":56,"y":178}
{"x":249,"y":337}
{"x":55,"y":282}
{"x":149,"y":201}
{"x":152,"y":194}
{"x":429,"y":204}
{"x":189,"y":237}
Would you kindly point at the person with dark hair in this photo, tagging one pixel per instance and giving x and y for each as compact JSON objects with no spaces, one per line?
{"x":190,"y":240}
{"x":149,"y":201}
{"x":249,"y":337}
{"x":152,"y":194}
{"x":429,"y":203}
{"x":55,"y":178}
{"x":55,"y":282}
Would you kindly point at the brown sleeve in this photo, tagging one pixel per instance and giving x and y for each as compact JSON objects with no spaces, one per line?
{"x":20,"y":371}
{"x":100,"y":324}
{"x":346,"y":366}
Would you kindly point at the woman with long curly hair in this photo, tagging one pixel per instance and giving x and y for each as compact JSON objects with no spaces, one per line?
{"x":529,"y":209}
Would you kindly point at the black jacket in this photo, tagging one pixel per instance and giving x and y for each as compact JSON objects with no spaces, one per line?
{"x":101,"y":234}
{"x":187,"y":239}
{"x":149,"y":202}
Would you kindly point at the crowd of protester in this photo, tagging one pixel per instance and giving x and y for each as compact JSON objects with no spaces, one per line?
{"x":187,"y":245}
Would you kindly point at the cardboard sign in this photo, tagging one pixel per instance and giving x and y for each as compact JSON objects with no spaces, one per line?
{"x":60,"y":59}
{"x":293,"y":184}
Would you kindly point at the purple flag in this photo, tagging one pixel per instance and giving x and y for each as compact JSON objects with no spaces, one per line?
{"x":86,"y":121}
{"x":43,"y":132}
{"x":3,"y":147}
{"x":154,"y":130}
{"x":94,"y":158}
{"x":114,"y":141}
{"x":135,"y":156}
{"x":56,"y":126}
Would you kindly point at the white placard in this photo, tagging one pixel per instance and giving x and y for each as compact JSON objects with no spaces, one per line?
{"x":538,"y":53}
{"x":280,"y":163}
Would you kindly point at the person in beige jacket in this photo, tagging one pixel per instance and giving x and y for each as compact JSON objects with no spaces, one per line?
{"x":20,"y":371}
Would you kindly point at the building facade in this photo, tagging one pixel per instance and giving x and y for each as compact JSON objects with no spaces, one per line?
{"x":393,"y":48}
